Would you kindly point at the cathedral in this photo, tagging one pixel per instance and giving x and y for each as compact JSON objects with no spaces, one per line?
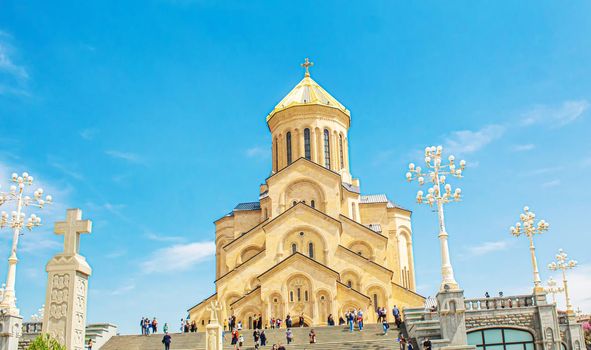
{"x":312,"y":244}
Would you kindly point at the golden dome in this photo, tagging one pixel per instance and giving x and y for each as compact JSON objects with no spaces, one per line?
{"x":308,"y":92}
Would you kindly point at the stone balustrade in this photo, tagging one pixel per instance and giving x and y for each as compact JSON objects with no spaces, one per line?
{"x":510,"y":302}
{"x":32,"y":327}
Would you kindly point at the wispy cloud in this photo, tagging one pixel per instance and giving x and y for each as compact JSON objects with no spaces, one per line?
{"x":258,"y":152}
{"x":162,"y":238}
{"x":179,"y":257}
{"x":59,"y":165}
{"x":524,"y":148}
{"x":470,"y":141}
{"x":552,"y":183}
{"x":487,"y":248}
{"x":542,"y":171}
{"x":126,"y":156}
{"x":126,"y":287}
{"x":88,"y":134}
{"x":116,"y":254}
{"x":556,"y":116}
{"x":13,"y":76}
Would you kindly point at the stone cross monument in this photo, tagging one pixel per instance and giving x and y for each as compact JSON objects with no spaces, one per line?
{"x":213,"y":331}
{"x":67,"y":285}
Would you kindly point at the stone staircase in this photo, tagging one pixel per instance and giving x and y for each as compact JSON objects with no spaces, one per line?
{"x":328,"y":338}
{"x":100,"y":333}
{"x":421,"y":324}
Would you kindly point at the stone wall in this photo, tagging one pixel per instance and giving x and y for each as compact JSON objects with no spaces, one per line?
{"x":523,"y":317}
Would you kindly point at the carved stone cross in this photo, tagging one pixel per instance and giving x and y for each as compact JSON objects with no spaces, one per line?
{"x":213,"y":308}
{"x":71,"y":229}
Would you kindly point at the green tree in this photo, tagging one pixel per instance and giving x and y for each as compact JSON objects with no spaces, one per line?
{"x":45,"y":342}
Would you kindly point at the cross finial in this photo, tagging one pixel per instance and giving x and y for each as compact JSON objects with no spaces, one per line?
{"x":71,"y":229}
{"x":307,"y":64}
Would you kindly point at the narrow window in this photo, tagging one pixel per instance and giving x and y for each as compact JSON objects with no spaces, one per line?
{"x":291,"y":296}
{"x":311,"y":250}
{"x":326,"y":149}
{"x":307,"y":143}
{"x":306,"y":295}
{"x":341,"y":151}
{"x":294,"y":203}
{"x":288,"y":144}
{"x":375,"y":300}
{"x":299,"y":295}
{"x":266,"y":214}
{"x":350,"y":284}
{"x":276,"y":155}
{"x":312,"y":204}
{"x":294,"y":248}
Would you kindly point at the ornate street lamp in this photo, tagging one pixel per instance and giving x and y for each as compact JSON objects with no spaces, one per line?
{"x":16,"y":221}
{"x":529,"y":228}
{"x":436,"y":174}
{"x":553,"y":288}
{"x":561,"y":263}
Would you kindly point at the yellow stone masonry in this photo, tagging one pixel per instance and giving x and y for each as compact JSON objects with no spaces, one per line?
{"x":312,"y":245}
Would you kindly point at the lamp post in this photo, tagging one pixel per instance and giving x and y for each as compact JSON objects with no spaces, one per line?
{"x":553,"y":288}
{"x":561,"y":263}
{"x":16,"y":221}
{"x":436,"y":174}
{"x":529,"y":228}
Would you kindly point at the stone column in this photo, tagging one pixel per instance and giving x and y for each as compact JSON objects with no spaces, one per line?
{"x":10,"y":330}
{"x":313,"y":145}
{"x":67,"y":285}
{"x":452,"y":318}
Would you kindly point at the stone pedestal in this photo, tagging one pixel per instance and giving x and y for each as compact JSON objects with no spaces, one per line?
{"x":575,"y":336}
{"x":213,"y":337}
{"x":548,"y":319}
{"x":10,"y":331}
{"x":452,"y":316}
{"x":65,"y":310}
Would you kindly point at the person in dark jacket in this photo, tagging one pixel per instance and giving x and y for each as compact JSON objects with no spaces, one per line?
{"x":166,"y":340}
{"x":263,"y":338}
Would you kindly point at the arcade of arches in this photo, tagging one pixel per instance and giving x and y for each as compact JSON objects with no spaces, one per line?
{"x":312,"y":244}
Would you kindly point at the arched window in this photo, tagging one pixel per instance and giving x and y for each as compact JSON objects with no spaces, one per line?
{"x":375,"y":300}
{"x":294,"y":248}
{"x":307,"y":144}
{"x":291,"y":296}
{"x":306,"y":295}
{"x":312,"y":204}
{"x":326,"y":149}
{"x":341,"y":151}
{"x":311,"y":250}
{"x":288,"y":147}
{"x":349,"y":283}
{"x":299,"y":294}
{"x":294,"y":203}
{"x":501,"y":339}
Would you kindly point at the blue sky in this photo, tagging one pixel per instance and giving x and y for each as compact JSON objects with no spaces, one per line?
{"x":150,"y":116}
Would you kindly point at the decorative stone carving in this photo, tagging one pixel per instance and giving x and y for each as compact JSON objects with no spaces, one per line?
{"x":67,"y":285}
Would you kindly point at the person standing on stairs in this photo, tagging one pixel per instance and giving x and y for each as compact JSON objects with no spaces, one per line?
{"x":166,"y":340}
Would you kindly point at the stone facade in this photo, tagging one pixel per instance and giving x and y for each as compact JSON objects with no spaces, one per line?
{"x":312,"y":245}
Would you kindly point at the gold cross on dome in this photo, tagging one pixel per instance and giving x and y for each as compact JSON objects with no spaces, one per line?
{"x":71,"y":229}
{"x":307,"y":64}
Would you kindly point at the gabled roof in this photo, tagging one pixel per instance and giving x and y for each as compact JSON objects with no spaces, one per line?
{"x":363,"y":227}
{"x":298,"y":255}
{"x":202,"y":301}
{"x":308,"y":92}
{"x":374,"y":264}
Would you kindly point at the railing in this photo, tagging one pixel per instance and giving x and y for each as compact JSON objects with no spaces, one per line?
{"x":32,"y":327}
{"x":511,"y":302}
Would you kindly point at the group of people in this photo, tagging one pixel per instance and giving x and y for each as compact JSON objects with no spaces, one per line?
{"x":406,"y":344}
{"x":187,"y":326}
{"x":150,"y":326}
